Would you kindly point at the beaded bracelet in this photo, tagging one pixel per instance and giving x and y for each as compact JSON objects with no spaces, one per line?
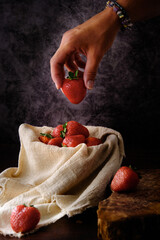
{"x":121,"y":13}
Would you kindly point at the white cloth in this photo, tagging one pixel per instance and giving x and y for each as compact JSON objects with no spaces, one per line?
{"x":58,"y":181}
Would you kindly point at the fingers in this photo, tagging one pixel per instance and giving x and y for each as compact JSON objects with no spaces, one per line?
{"x":70,"y":64}
{"x":70,"y":59}
{"x":90,"y":70}
{"x":78,"y":60}
{"x":57,"y":65}
{"x":74,"y":62}
{"x":57,"y":68}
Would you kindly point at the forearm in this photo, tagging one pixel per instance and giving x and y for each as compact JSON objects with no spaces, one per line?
{"x":139,"y":10}
{"x":95,"y":36}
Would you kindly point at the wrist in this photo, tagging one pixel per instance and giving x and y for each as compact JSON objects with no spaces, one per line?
{"x":129,"y":6}
{"x":112,"y":19}
{"x":120,"y":12}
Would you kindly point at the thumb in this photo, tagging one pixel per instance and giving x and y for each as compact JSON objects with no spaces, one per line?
{"x":90,"y":71}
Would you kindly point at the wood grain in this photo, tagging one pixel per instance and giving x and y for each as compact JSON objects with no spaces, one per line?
{"x":134,"y":215}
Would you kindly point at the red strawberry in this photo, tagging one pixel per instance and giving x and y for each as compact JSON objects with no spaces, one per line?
{"x":74,"y":128}
{"x":125,"y":179}
{"x":24,"y":219}
{"x":92,"y":141}
{"x":57,"y":141}
{"x":45,"y":137}
{"x":73,"y":88}
{"x":57,"y":131}
{"x":73,"y":141}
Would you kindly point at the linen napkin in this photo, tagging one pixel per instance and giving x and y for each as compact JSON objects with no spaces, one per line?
{"x":58,"y":180}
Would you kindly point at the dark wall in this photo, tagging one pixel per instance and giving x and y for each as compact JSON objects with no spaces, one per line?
{"x":126,"y":93}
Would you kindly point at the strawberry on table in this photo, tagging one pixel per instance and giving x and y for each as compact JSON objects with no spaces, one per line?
{"x":124,"y":180}
{"x":24,"y":219}
{"x":73,"y":141}
{"x":74,"y":88}
{"x":57,"y":141}
{"x":92,"y":141}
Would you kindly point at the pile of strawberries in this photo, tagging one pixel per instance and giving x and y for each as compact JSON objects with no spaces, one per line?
{"x":25,"y":218}
{"x":70,"y":134}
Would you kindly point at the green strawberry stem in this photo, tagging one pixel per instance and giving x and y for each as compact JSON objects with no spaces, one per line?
{"x":63,"y":133}
{"x":72,"y":75}
{"x":63,"y":145}
{"x":46,"y":135}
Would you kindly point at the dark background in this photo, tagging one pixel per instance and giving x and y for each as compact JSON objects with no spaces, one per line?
{"x":126,"y":93}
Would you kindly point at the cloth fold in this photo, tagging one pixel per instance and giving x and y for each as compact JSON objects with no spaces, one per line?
{"x":58,"y":181}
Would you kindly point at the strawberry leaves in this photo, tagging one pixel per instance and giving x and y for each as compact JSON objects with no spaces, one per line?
{"x":46,"y":135}
{"x":63,"y":133}
{"x":72,"y":75}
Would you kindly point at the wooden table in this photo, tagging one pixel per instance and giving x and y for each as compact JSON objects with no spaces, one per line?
{"x":83,"y":226}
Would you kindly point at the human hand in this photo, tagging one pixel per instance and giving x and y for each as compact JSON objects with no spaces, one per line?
{"x":91,"y":39}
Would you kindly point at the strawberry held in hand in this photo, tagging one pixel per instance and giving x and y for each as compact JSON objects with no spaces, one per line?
{"x":24,"y":219}
{"x":73,"y":88}
{"x":124,"y":180}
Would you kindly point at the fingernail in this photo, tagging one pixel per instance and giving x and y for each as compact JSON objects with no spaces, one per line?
{"x":90,"y":84}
